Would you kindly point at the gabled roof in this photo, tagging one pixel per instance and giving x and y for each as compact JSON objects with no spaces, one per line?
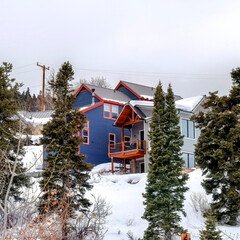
{"x":189,"y":104}
{"x":142,"y":91}
{"x":144,"y":108}
{"x":107,"y":94}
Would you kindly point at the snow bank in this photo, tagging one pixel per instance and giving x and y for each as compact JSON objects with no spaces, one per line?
{"x":33,"y":159}
{"x":124,"y":193}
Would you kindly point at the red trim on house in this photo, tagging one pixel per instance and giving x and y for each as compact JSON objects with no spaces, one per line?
{"x":88,"y":134}
{"x":92,"y":107}
{"x":110,"y":113}
{"x":119,"y":84}
{"x":84,"y":86}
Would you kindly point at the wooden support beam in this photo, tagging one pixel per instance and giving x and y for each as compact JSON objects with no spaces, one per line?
{"x":112,"y":166}
{"x":122,"y":134}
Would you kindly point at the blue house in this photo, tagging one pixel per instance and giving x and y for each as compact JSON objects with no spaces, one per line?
{"x":102,"y":107}
{"x":118,"y":123}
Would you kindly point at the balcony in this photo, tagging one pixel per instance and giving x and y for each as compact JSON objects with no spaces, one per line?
{"x":130,"y":149}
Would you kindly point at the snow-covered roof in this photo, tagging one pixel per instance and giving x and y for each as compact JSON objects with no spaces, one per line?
{"x":185,"y":104}
{"x":136,"y":103}
{"x":188,"y":104}
{"x":147,"y":96}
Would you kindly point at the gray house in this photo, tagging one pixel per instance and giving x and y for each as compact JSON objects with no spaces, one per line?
{"x":136,"y":116}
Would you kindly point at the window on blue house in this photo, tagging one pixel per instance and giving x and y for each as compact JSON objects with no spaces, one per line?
{"x":114,"y":112}
{"x":110,"y":111}
{"x":189,"y":160}
{"x":112,"y":138}
{"x":188,"y":128}
{"x":107,"y":110}
{"x":85,"y":133}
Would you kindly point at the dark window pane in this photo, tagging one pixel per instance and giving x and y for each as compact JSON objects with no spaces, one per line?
{"x":85,"y":132}
{"x":112,"y":137}
{"x":114,"y":115}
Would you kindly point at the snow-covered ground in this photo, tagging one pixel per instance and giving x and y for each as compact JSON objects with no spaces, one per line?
{"x":124,"y":194}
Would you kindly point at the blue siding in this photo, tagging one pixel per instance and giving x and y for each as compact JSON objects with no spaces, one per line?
{"x":99,"y":128}
{"x":128,"y":93}
{"x":84,"y":98}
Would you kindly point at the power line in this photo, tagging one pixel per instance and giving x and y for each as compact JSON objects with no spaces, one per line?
{"x":141,"y":72}
{"x":25,"y":71}
{"x":24,"y":66}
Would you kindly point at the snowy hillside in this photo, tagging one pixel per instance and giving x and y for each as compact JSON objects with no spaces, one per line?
{"x":124,"y":194}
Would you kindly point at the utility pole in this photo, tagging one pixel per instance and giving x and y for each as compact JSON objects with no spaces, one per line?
{"x":43,"y":86}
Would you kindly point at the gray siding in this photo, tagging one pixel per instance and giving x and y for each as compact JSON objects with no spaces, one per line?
{"x":135,"y":130}
{"x":188,"y":146}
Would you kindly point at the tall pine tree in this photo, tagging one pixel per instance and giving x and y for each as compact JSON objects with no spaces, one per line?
{"x":165,"y":187}
{"x":66,"y":174}
{"x":11,"y":146}
{"x":218,"y":151}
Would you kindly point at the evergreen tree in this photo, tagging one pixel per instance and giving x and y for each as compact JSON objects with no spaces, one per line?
{"x":210,"y":232}
{"x":66,"y":173}
{"x":218,"y":151}
{"x":11,"y":147}
{"x":165,"y":187}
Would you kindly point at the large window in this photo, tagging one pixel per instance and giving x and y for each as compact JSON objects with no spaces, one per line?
{"x":85,"y":133}
{"x":110,"y":111}
{"x":188,"y":128}
{"x":189,"y":160}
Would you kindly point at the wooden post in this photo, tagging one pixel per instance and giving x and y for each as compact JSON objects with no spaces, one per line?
{"x":137,"y":145}
{"x":112,"y":166}
{"x":123,"y":147}
{"x":124,"y":160}
{"x":185,"y":236}
{"x":122,"y":134}
{"x":43,"y":86}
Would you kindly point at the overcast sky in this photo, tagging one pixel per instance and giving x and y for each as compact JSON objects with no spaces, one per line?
{"x":191,"y":44}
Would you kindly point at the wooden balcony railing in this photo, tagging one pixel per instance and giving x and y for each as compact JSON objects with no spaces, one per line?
{"x":128,"y":149}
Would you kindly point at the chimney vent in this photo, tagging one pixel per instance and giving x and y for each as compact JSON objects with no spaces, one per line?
{"x":93,"y":96}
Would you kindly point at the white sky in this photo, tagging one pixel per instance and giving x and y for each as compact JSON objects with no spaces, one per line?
{"x":192,"y":44}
